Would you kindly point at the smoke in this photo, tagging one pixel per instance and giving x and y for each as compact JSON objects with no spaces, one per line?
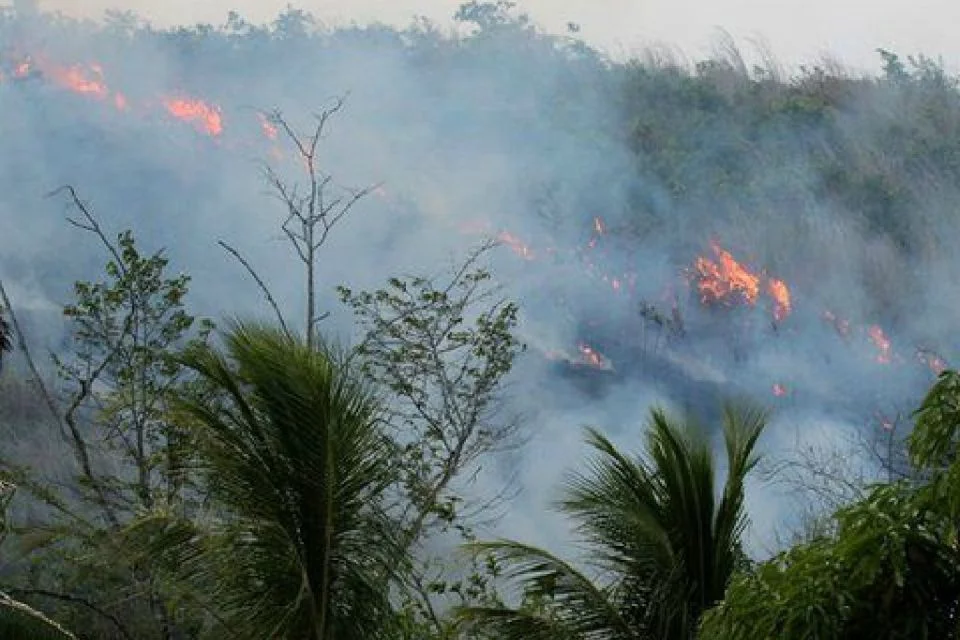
{"x":509,"y":131}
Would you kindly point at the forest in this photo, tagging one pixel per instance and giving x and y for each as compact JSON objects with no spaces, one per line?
{"x":239,"y":399}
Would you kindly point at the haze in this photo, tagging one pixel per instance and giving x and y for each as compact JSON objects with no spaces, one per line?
{"x":796,"y":31}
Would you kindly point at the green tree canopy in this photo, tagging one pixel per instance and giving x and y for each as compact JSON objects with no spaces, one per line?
{"x":891,"y":569}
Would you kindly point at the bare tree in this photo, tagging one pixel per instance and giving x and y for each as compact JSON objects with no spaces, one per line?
{"x":313,"y":208}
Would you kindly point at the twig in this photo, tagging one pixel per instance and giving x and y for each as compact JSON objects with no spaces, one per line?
{"x":263,"y":287}
{"x":22,"y":345}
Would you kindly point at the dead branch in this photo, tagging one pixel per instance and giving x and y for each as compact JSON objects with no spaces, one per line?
{"x":25,"y":350}
{"x":260,"y":283}
{"x":312,"y":215}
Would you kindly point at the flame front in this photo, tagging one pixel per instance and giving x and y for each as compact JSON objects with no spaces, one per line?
{"x":882,"y":343}
{"x":591,"y":357}
{"x":269,"y":129}
{"x":778,"y":291}
{"x":89,"y":80}
{"x":934,"y":362}
{"x":203,"y":115}
{"x":725,"y":280}
{"x":518,"y":246}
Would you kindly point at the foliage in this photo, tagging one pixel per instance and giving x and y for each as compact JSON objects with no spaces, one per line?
{"x":890,"y":569}
{"x":664,"y":547}
{"x":712,"y":136}
{"x":17,"y":619}
{"x":442,"y":350}
{"x":290,"y":446}
{"x":111,"y":407}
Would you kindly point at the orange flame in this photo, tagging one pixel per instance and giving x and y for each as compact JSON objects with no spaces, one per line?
{"x":269,"y":129}
{"x":75,"y":78}
{"x":90,"y":80}
{"x":842,"y":326}
{"x":777,"y":289}
{"x":779,"y":390}
{"x":206,"y":117}
{"x":591,"y":357}
{"x":518,"y":246}
{"x":934,"y":362}
{"x":726,"y":279}
{"x":882,"y":343}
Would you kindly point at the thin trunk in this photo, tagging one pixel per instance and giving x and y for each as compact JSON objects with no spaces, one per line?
{"x":311,"y":305}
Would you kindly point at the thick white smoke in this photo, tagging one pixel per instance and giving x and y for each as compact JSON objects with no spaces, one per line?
{"x":508,"y":130}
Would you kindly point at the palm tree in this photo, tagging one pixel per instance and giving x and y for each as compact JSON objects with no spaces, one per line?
{"x":662,"y":543}
{"x":290,"y":446}
{"x":6,"y":341}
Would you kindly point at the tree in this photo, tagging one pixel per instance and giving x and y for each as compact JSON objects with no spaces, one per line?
{"x":312,"y":211}
{"x":111,"y":405}
{"x":6,"y":340}
{"x":442,"y":347}
{"x":889,"y":568}
{"x":664,"y":547}
{"x":291,"y":447}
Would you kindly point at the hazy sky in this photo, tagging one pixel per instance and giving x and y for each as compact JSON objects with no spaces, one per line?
{"x":797,"y":30}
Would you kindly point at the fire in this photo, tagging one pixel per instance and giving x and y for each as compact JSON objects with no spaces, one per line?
{"x":22,"y":70}
{"x":89,"y":79}
{"x":75,"y":78}
{"x":726,"y":279}
{"x":934,"y":362}
{"x":842,"y":326}
{"x":777,"y":289}
{"x":591,"y":357}
{"x":886,"y":423}
{"x":779,"y":390}
{"x":882,"y":343}
{"x":518,"y":246}
{"x":269,"y":129}
{"x":206,"y":117}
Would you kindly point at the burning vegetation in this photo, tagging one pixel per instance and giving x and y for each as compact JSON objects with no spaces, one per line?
{"x":89,"y":80}
{"x":719,"y":279}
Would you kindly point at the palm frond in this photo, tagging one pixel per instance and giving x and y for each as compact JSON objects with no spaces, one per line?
{"x":291,"y":448}
{"x":573,"y":606}
{"x":504,"y":623}
{"x":19,"y":621}
{"x":742,"y":427}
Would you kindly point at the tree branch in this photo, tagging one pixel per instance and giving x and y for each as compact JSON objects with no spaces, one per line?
{"x":260,"y":283}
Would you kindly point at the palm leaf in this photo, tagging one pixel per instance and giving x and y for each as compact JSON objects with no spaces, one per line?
{"x":292,"y":451}
{"x":21,"y":622}
{"x":653,"y":527}
{"x":574,"y":607}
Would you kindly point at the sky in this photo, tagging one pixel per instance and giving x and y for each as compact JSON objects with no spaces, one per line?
{"x":796,"y":31}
